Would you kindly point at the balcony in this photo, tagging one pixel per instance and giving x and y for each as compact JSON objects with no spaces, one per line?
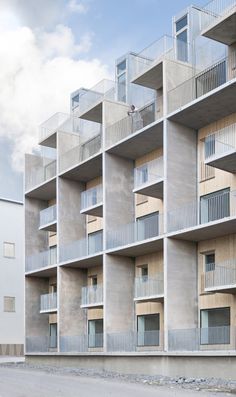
{"x":135,"y":341}
{"x":147,"y":66}
{"x":221,"y":277}
{"x":212,"y":216}
{"x":92,"y":201}
{"x":207,"y":97}
{"x":40,"y":344}
{"x":147,"y":288}
{"x":48,"y":219}
{"x":48,"y":303}
{"x":83,"y":253}
{"x":137,"y":238}
{"x":149,"y":179}
{"x":220,"y":149}
{"x":83,"y":162}
{"x":59,"y":122}
{"x":218,"y":21}
{"x":90,"y":102}
{"x":41,"y":260}
{"x":92,"y":296}
{"x":40,"y":180}
{"x":81,"y":343}
{"x":138,"y":133}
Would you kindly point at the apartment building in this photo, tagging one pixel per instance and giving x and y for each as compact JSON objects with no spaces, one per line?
{"x":11,"y":278}
{"x":130,"y":221}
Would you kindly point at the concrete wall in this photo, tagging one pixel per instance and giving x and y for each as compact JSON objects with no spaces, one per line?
{"x":36,"y":324}
{"x":35,"y":240}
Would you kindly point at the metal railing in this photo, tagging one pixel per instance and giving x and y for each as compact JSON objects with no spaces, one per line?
{"x":80,"y":153}
{"x":105,"y":89}
{"x":221,"y":275}
{"x":195,"y":339}
{"x":221,"y":142}
{"x":148,"y":173}
{"x":201,"y":83}
{"x":214,"y":10}
{"x":166,"y":46}
{"x":47,"y":216}
{"x":140,"y":230}
{"x":59,"y":122}
{"x":81,"y":248}
{"x":218,"y":206}
{"x":37,"y":344}
{"x":91,"y":197}
{"x":206,"y":172}
{"x":134,"y":122}
{"x":148,"y":287}
{"x":42,"y":259}
{"x":41,"y":174}
{"x":134,"y":341}
{"x":92,"y":295}
{"x":48,"y":302}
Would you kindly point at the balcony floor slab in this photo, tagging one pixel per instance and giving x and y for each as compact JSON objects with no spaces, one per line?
{"x":154,"y":189}
{"x":46,"y":272}
{"x":50,"y":140}
{"x":44,"y":191}
{"x":223,"y":29}
{"x":224,"y":289}
{"x":94,"y":113}
{"x":139,"y":248}
{"x":152,"y":77}
{"x":51,"y":227}
{"x":84,"y":262}
{"x":95,"y":210}
{"x":153,"y":298}
{"x":225,"y":162}
{"x":85,"y":171}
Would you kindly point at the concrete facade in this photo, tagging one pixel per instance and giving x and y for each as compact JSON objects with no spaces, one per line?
{"x":135,"y":253}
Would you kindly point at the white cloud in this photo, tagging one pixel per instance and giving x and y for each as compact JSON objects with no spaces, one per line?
{"x":78,"y":7}
{"x":37,"y":75}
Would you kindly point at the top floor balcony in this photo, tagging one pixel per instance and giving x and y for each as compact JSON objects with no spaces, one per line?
{"x":147,"y":66}
{"x":90,"y":101}
{"x":218,"y":21}
{"x":59,"y":122}
{"x":207,"y":96}
{"x":220,"y":149}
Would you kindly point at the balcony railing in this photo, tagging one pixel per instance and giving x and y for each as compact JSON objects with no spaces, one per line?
{"x":40,"y":344}
{"x":80,"y":153}
{"x":48,"y":302}
{"x":82,"y":248}
{"x":194,"y":339}
{"x":221,"y":142}
{"x":134,"y":122}
{"x":41,"y":260}
{"x":206,"y":172}
{"x":91,"y":197}
{"x":41,"y":174}
{"x":166,"y":46}
{"x":222,"y":275}
{"x":214,"y":76}
{"x":149,"y":287}
{"x":105,"y":89}
{"x":148,"y":173}
{"x":219,"y":206}
{"x":59,"y":122}
{"x":214,"y":10}
{"x":140,"y":230}
{"x":92,"y":295}
{"x":47,"y":216}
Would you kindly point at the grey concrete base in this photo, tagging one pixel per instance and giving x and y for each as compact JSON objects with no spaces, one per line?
{"x":196,"y":366}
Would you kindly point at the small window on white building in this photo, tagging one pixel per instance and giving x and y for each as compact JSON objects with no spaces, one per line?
{"x":9,"y":304}
{"x":8,"y":250}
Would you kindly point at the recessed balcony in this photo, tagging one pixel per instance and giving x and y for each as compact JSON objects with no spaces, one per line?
{"x":221,"y":277}
{"x":48,"y":219}
{"x":137,"y":238}
{"x":48,"y":303}
{"x":149,"y":179}
{"x":149,"y":288}
{"x":42,"y":261}
{"x":220,"y":149}
{"x":83,"y":253}
{"x":92,"y":201}
{"x":92,"y":296}
{"x":218,"y":21}
{"x":206,"y":97}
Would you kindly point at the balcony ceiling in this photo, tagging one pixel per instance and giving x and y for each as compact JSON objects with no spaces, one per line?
{"x":154,"y":189}
{"x":225,"y":162}
{"x":85,"y":171}
{"x":96,"y":210}
{"x":94,"y":113}
{"x":43,"y":272}
{"x":152,"y":77}
{"x":50,"y":141}
{"x":85,"y":262}
{"x":45,"y":191}
{"x":223,"y":29}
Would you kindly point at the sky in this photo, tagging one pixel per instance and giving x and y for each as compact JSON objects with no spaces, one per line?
{"x":50,"y":48}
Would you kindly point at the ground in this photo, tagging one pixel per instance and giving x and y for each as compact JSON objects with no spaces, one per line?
{"x":22,"y":380}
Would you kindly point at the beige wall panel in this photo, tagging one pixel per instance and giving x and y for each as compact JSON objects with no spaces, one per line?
{"x":95,"y":314}
{"x":96,"y":270}
{"x":148,"y":207}
{"x":94,"y":182}
{"x":95,"y":225}
{"x":149,"y":157}
{"x":52,"y":202}
{"x":154,"y":261}
{"x":52,"y":318}
{"x":52,"y":240}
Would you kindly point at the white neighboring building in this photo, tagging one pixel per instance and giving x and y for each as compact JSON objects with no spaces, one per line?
{"x":11,"y":277}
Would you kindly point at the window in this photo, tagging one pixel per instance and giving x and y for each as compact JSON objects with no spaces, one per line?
{"x":210,"y":262}
{"x":181,"y":23}
{"x":209,"y":146}
{"x":95,"y":333}
{"x":8,"y":250}
{"x":148,"y":327}
{"x":95,"y":242}
{"x":121,"y":67}
{"x":215,"y":206}
{"x":53,"y":255}
{"x":9,"y":304}
{"x":53,"y":288}
{"x":122,"y":87}
{"x":215,"y":326}
{"x":143,"y":174}
{"x":182,"y":48}
{"x":148,"y":226}
{"x":144,"y":272}
{"x":53,"y":336}
{"x":94,"y":281}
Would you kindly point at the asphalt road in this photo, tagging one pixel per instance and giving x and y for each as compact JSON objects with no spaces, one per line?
{"x":34,"y":383}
